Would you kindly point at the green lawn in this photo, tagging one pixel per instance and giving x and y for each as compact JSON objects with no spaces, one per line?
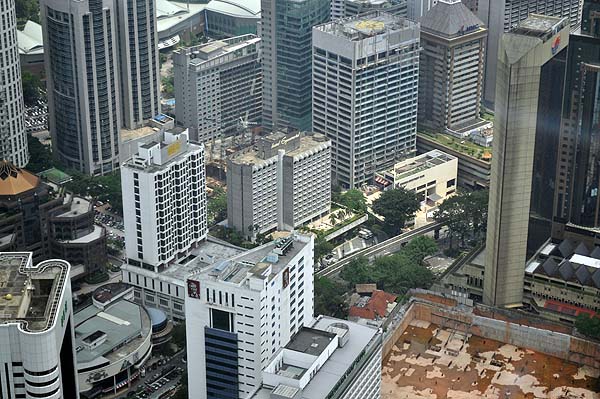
{"x":461,"y":145}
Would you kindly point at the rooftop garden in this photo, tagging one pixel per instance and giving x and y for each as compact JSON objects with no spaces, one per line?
{"x":463,"y":146}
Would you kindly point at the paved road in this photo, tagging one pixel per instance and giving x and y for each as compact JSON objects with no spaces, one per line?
{"x":387,"y":247}
{"x":155,"y":375}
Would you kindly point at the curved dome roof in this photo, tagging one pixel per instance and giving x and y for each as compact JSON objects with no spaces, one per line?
{"x":14,"y":180}
{"x":157,"y":316}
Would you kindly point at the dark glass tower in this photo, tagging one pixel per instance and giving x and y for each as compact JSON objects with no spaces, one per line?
{"x":578,"y":175}
{"x":286,"y":31}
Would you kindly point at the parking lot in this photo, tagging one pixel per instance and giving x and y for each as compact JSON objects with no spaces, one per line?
{"x":112,"y":223}
{"x":161,"y":379}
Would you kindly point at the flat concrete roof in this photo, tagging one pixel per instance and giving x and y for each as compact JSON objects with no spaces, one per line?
{"x":28,"y":293}
{"x":310,"y":341}
{"x":124,"y":324}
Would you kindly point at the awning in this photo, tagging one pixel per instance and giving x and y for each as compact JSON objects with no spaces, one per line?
{"x":434,"y":197}
{"x":169,"y":42}
{"x":382,"y":181}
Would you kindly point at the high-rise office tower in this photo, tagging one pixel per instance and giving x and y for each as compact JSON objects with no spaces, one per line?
{"x":140,"y":68}
{"x":164,"y":201}
{"x":529,"y":92}
{"x":350,"y":8}
{"x":102,"y":74}
{"x":36,"y":329}
{"x":218,"y":86}
{"x":415,"y":9}
{"x":286,"y":32}
{"x":500,"y":16}
{"x":451,"y":68}
{"x":365,"y":88}
{"x":13,"y":139}
{"x":577,"y":197}
{"x":80,"y":46}
{"x":242,"y":311}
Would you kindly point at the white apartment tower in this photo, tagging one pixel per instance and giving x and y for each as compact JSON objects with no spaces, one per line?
{"x":282,"y":182}
{"x":500,"y":16}
{"x":102,"y":73}
{"x":13,"y":140}
{"x":218,"y":86}
{"x":164,"y":201}
{"x":365,"y":87}
{"x":37,"y":338}
{"x":242,"y":311}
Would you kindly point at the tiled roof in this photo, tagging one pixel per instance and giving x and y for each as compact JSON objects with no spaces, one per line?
{"x":375,"y":308}
{"x":15,"y":181}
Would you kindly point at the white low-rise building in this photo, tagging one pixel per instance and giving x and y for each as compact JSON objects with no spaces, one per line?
{"x":431,"y":175}
{"x":113,"y":340}
{"x":332,"y":358}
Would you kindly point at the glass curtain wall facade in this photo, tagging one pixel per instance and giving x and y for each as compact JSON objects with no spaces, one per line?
{"x":287,"y":55}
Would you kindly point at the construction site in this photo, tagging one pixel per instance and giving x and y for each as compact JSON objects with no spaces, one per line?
{"x":445,"y":349}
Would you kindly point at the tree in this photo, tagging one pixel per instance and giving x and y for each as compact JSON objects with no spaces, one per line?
{"x":355,"y":200}
{"x":217,"y":205}
{"x":588,"y":326}
{"x":178,"y":335}
{"x":465,"y":214}
{"x":105,"y":188}
{"x":358,"y":271}
{"x":168,"y":87}
{"x":329,"y":298}
{"x":27,"y":9}
{"x":40,"y":156}
{"x":31,"y":87}
{"x":419,"y":248}
{"x":396,"y":206}
{"x":396,"y":273}
{"x":322,"y":248}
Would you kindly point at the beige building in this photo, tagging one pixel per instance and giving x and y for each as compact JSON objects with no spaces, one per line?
{"x":525,"y":78}
{"x":431,"y":175}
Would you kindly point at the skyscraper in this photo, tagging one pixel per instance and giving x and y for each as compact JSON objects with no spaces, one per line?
{"x":218,"y":86}
{"x":451,"y":68}
{"x":13,"y":140}
{"x":140,"y":69}
{"x":164,"y":201}
{"x":80,"y":46}
{"x":36,"y":329}
{"x":286,"y":32}
{"x":529,"y":88}
{"x":365,"y":87}
{"x":501,"y":16}
{"x":577,"y":197}
{"x":350,"y":8}
{"x":102,"y":73}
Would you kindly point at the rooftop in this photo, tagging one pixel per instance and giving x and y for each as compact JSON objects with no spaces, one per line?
{"x":463,"y":146}
{"x":358,"y":339}
{"x":111,"y":333}
{"x":204,"y":255}
{"x":367,"y":25}
{"x":30,"y":38}
{"x":30,"y":295}
{"x":420,"y":163}
{"x":451,"y":19}
{"x":431,"y":361}
{"x":14,"y":181}
{"x":376,"y":307}
{"x":262,"y":262}
{"x":568,"y":260}
{"x":310,"y":341}
{"x":294,"y":144}
{"x":540,"y":26}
